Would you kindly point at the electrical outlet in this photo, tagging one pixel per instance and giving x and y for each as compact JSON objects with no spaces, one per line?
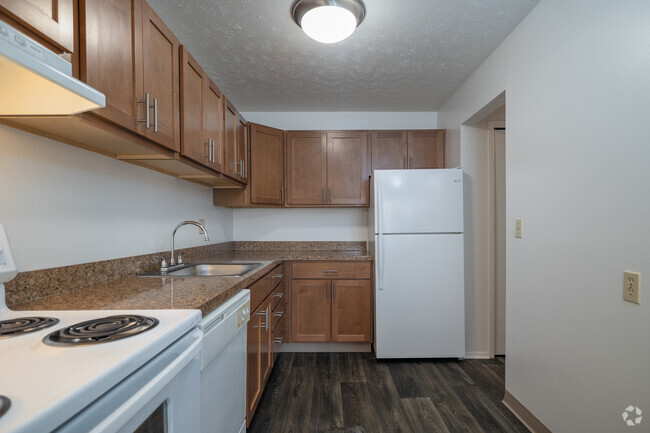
{"x":631,"y":286}
{"x":519,"y":227}
{"x":202,"y":222}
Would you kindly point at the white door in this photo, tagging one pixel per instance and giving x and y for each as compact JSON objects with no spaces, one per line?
{"x":420,"y":296}
{"x":419,"y":201}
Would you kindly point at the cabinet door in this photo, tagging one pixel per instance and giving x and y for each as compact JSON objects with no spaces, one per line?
{"x":310,"y":310}
{"x":160,"y":54}
{"x":232,"y":165}
{"x":347,"y":176}
{"x":267,"y":165}
{"x":351,"y":310}
{"x":214,"y":128}
{"x":389,"y":150}
{"x":242,"y":149}
{"x":193,"y":105}
{"x":426,"y":149}
{"x":306,"y":168}
{"x":110,"y":57}
{"x":51,"y":19}
{"x":253,"y":372}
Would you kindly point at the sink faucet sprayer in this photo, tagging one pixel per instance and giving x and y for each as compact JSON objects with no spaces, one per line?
{"x":173,"y":261}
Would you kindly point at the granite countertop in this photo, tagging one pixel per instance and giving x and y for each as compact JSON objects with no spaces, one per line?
{"x":201,"y":293}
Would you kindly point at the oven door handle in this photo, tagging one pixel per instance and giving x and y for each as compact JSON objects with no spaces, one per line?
{"x":132,"y":406}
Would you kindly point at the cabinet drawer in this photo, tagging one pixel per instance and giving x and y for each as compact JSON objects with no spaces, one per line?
{"x":331,"y":270}
{"x":263,"y":287}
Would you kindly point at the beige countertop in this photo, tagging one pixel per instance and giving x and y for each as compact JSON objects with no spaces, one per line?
{"x":201,"y":293}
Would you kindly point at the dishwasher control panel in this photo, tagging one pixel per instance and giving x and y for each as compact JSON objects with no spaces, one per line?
{"x":243,"y":314}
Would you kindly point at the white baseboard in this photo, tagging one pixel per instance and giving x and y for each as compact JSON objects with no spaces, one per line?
{"x":325,"y":347}
{"x":477,"y":355}
{"x":524,"y":415}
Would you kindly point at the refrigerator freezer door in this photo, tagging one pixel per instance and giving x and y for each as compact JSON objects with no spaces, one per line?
{"x":419,"y":201}
{"x":420,"y":310}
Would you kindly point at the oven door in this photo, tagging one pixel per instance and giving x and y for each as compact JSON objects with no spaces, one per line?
{"x":163,"y":396}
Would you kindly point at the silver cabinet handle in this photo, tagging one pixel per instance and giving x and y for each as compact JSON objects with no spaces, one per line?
{"x":333,"y":290}
{"x":148,"y":107}
{"x":282,"y":195}
{"x":405,"y":163}
{"x":155,"y":114}
{"x":244,"y":162}
{"x":278,"y":295}
{"x":278,"y":340}
{"x":411,"y":163}
{"x":214,"y":157}
{"x":331,"y":271}
{"x":323,"y":195}
{"x":330,"y":197}
{"x":265,"y":313}
{"x":278,"y":314}
{"x":278,"y":276}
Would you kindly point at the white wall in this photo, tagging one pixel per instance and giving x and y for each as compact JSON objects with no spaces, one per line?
{"x":62,"y":205}
{"x":319,"y":224}
{"x":301,"y":225}
{"x":576,"y":80}
{"x":345,"y":120}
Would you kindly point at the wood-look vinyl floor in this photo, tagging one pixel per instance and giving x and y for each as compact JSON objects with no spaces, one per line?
{"x":356,"y":393}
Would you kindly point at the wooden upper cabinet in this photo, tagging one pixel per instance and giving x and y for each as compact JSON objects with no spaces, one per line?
{"x":214,"y":123}
{"x":389,"y":150}
{"x":127,"y":53}
{"x":310,"y":306}
{"x":161,"y":63}
{"x":347,"y":175}
{"x":193,"y":106}
{"x":426,"y":149}
{"x":235,"y":144}
{"x":110,"y":57}
{"x":351,"y":310}
{"x":52,"y":20}
{"x":306,"y":168}
{"x":267,"y":165}
{"x":201,"y":114}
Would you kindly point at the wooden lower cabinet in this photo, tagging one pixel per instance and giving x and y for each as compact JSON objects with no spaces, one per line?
{"x":338,"y":308}
{"x":311,"y":316}
{"x":352,"y":311}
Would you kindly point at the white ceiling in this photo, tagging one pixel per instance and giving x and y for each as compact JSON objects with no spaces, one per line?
{"x":407,"y":55}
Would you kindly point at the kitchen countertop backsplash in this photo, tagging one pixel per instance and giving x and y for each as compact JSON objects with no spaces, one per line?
{"x":113,"y":284}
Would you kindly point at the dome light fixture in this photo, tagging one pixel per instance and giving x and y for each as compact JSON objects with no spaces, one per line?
{"x":328,"y":21}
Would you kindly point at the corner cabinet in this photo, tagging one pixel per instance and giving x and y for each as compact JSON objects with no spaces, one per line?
{"x":266,"y":165}
{"x":400,"y":150}
{"x":327,"y":168}
{"x":331,"y":301}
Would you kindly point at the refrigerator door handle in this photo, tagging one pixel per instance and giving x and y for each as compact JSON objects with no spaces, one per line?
{"x":380,"y":235}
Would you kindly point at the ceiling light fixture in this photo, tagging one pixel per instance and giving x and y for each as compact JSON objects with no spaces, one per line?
{"x":328,"y":21}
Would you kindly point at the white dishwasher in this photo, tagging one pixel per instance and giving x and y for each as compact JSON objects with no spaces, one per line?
{"x":223,"y":366}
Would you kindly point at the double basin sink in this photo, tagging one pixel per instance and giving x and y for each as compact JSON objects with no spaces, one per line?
{"x":206,"y":270}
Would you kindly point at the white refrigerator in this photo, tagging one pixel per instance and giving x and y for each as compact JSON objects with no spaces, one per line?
{"x":416,"y":231}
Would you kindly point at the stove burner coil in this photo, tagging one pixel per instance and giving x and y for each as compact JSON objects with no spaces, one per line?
{"x":5,"y":404}
{"x":102,"y":330}
{"x":25,"y":325}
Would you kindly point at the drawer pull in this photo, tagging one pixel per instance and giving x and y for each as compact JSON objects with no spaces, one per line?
{"x":278,"y":340}
{"x":331,"y":271}
{"x":278,"y":314}
{"x":278,"y":276}
{"x":278,"y":295}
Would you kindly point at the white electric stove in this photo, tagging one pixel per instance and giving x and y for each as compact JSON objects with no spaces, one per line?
{"x":97,"y":371}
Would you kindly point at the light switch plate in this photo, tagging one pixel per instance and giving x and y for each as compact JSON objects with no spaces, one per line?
{"x":632,"y":286}
{"x":519,"y":227}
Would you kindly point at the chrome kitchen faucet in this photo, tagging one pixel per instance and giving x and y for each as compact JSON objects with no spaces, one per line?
{"x":172,"y":261}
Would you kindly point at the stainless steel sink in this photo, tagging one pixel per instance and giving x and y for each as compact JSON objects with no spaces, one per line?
{"x":207,"y":270}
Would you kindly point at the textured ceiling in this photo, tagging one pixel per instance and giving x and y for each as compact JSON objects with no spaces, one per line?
{"x":407,"y":55}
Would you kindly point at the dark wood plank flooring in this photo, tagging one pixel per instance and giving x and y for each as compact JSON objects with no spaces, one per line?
{"x":356,"y":393}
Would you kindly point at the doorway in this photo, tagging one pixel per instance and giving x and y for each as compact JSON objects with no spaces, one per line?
{"x":497,"y":143}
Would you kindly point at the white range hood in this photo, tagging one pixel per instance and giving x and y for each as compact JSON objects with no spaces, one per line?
{"x":34,"y":81}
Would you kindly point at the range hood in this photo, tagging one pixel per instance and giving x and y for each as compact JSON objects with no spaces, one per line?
{"x":34,"y":81}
